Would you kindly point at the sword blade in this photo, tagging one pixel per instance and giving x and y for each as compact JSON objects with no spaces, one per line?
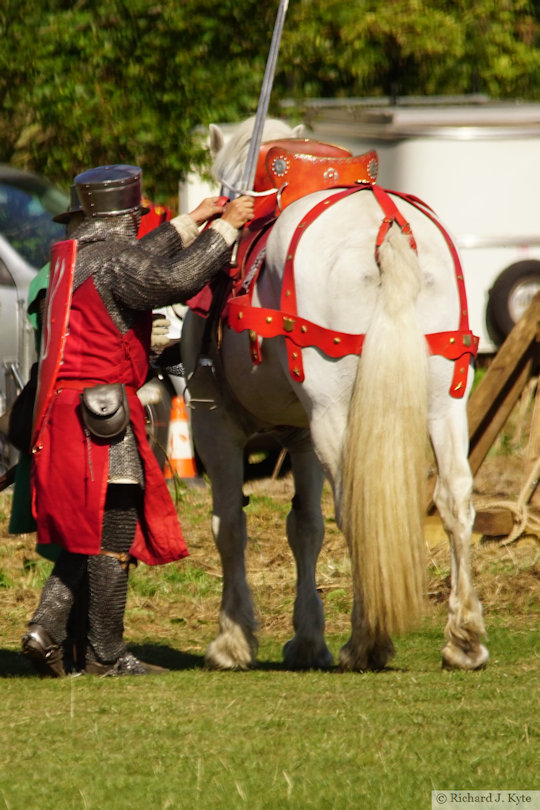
{"x":250,"y":168}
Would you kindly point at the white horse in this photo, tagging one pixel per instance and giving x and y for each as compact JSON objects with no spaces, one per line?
{"x":364,"y":422}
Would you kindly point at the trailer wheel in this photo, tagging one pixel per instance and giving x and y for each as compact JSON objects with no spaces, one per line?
{"x":510,"y":296}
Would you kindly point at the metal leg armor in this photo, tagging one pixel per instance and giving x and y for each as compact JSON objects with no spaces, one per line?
{"x":47,"y":629}
{"x":108,"y":582}
{"x":106,"y":652}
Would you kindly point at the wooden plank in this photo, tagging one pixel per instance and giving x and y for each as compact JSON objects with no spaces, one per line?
{"x":510,"y":357}
{"x":494,"y":522}
{"x":533,"y":448}
{"x":493,"y":400}
{"x":495,"y":419}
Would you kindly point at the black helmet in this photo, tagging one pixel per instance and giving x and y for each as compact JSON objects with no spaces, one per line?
{"x":110,"y":190}
{"x":75,"y":207}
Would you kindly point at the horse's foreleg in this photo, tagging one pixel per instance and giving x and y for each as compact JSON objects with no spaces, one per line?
{"x":305,"y":533}
{"x":235,"y":646}
{"x":220,"y":444}
{"x":465,"y":626}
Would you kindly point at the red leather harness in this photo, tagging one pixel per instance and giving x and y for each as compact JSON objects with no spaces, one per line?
{"x":458,"y":345}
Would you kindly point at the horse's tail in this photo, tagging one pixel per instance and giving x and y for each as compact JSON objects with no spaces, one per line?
{"x":384,"y":461}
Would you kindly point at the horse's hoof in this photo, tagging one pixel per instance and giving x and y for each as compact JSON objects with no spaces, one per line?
{"x":220,"y":656}
{"x":225,"y":664}
{"x":306,"y":656}
{"x":374,"y":658}
{"x":454,"y":657}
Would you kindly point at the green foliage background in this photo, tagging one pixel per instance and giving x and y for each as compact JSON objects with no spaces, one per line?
{"x":84,"y":82}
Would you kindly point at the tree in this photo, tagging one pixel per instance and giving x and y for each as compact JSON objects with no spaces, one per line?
{"x":89,"y":83}
{"x":85,"y":83}
{"x":408,"y":47}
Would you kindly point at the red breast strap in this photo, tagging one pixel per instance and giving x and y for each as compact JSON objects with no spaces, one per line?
{"x":459,"y":345}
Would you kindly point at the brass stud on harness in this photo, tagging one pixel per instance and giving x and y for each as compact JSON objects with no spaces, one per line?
{"x":288,"y":324}
{"x":268,"y":319}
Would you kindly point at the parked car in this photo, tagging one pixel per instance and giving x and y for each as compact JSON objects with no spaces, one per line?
{"x":27,"y":204}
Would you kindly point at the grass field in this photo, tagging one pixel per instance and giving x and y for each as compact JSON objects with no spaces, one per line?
{"x":270,"y":738}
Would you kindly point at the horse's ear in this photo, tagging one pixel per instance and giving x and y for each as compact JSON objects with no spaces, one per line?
{"x":216,"y":140}
{"x":299,"y":131}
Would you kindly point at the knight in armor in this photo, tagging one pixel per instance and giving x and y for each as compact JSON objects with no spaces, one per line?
{"x":104,"y":499}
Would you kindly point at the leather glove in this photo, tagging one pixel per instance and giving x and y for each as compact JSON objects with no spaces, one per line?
{"x":160,"y":331}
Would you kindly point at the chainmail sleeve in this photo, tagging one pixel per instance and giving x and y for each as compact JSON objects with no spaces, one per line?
{"x":143,"y":280}
{"x":163,"y":241}
{"x":152,"y":272}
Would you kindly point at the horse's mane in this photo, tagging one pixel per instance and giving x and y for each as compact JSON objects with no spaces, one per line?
{"x":229,"y":162}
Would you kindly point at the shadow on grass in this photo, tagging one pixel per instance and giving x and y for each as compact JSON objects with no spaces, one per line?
{"x":276,"y":666}
{"x":177,"y":660}
{"x":14,"y":664}
{"x":168,"y":657}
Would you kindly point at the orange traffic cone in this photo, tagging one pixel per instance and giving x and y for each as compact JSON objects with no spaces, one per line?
{"x":180,"y":457}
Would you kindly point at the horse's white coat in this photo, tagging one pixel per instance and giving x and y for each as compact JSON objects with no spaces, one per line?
{"x":363,"y":425}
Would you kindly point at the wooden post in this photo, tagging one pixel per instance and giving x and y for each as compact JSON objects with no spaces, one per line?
{"x":493,"y":400}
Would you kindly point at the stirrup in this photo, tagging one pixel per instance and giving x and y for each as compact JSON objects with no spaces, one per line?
{"x":203,"y":380}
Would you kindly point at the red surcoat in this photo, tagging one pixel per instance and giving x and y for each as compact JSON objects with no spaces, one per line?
{"x":70,"y":471}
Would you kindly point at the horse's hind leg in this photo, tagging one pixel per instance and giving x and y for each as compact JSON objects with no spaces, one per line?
{"x":465,"y":626}
{"x":305,"y":533}
{"x":220,"y":445}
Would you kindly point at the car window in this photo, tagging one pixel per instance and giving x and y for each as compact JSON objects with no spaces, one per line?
{"x":26,"y":213}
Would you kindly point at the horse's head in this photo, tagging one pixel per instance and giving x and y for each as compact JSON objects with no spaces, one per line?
{"x":229,"y":157}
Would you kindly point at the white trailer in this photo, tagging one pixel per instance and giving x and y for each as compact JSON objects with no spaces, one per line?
{"x":476,"y":164}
